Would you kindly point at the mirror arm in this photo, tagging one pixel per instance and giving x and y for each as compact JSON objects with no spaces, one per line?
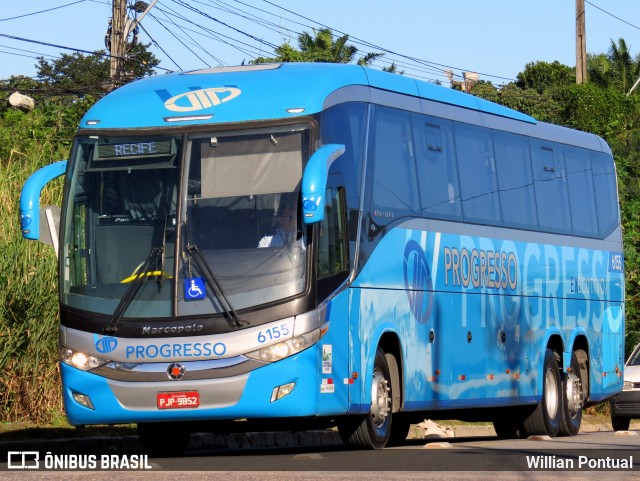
{"x":314,"y":181}
{"x":30,"y":198}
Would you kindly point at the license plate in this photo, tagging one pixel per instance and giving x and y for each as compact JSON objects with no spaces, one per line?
{"x":178,"y":400}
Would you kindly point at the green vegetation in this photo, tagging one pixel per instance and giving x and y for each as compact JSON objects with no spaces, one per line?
{"x":29,"y":378}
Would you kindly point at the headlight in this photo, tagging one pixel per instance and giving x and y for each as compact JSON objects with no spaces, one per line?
{"x":80,"y":360}
{"x":287,"y":348}
{"x":627,"y":386}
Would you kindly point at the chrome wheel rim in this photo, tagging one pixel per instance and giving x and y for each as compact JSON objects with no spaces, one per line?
{"x":551,"y":393}
{"x":380,"y":399}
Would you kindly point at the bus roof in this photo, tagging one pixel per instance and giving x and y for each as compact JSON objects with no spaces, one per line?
{"x":257,"y":92}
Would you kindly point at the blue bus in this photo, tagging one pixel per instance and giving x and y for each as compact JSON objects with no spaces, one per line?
{"x":289,"y":246}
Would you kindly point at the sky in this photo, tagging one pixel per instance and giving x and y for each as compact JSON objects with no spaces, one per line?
{"x":495,"y":38}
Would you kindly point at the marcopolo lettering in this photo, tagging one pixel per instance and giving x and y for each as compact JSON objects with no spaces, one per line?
{"x":480,"y":268}
{"x":175,"y":350}
{"x":150,"y":330}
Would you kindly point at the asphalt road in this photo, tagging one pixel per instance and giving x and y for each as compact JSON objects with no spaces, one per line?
{"x":590,"y":456}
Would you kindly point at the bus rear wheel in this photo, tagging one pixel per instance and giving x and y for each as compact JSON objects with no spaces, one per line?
{"x":373,"y":430}
{"x":545,"y":419}
{"x":572,"y":399}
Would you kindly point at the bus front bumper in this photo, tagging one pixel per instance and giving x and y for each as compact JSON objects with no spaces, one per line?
{"x":250,"y":395}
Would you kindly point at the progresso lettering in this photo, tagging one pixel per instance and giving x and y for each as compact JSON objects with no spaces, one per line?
{"x":171,"y":351}
{"x":480,"y":268}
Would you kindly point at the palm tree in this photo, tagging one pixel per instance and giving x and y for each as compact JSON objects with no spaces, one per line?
{"x":320,"y":47}
{"x":617,"y":69}
{"x":323,"y":48}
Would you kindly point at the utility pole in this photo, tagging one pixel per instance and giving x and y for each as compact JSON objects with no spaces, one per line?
{"x":581,"y":43}
{"x":118,"y":40}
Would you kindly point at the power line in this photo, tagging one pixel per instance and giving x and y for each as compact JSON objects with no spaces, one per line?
{"x":213,"y":35}
{"x":612,"y":15}
{"x":41,"y":11}
{"x":182,"y":3}
{"x":158,"y":45}
{"x":47,"y":44}
{"x":377,"y":47}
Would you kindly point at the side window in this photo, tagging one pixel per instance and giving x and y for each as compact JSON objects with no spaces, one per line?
{"x":550,"y":183}
{"x":515,"y":181}
{"x":333,"y":257}
{"x":395,"y":189}
{"x":604,"y":180}
{"x":478,"y":184}
{"x":345,"y":124}
{"x":581,"y":195}
{"x":437,"y":169}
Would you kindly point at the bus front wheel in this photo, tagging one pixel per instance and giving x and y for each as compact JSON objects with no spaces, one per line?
{"x":373,"y":430}
{"x":162,"y":440}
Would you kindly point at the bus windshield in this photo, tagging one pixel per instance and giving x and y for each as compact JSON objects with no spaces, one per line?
{"x":145,"y":236}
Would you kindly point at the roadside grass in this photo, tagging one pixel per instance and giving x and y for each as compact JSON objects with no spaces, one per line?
{"x":29,"y":377}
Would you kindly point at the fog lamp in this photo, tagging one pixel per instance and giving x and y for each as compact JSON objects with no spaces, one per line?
{"x":82,"y":399}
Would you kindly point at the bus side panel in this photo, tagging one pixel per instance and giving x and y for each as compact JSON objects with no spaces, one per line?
{"x":491,"y":306}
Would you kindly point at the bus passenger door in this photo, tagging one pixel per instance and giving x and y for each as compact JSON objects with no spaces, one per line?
{"x":332,"y":272}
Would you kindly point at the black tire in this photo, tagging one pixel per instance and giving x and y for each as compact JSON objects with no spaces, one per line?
{"x":163,"y":440}
{"x":573,"y":397}
{"x":545,"y":419}
{"x":509,"y":425}
{"x":620,"y":423}
{"x":373,"y":430}
{"x":399,"y":430}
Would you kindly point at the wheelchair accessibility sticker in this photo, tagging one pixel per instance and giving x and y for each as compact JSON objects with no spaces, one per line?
{"x":194,"y":288}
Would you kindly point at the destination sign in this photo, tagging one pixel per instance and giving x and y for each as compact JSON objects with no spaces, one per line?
{"x":129,"y":150}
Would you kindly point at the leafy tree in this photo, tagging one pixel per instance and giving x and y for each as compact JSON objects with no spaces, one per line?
{"x":80,"y":73}
{"x":542,"y":75}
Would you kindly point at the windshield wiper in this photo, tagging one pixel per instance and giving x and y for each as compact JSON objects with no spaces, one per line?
{"x":134,"y":286}
{"x":211,"y":279}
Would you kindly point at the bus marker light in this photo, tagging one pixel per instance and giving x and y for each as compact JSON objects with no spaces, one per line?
{"x":281,"y":391}
{"x":490,"y":377}
{"x":462,"y":377}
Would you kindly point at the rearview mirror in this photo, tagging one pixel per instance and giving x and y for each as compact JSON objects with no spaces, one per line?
{"x":314,"y":181}
{"x":30,"y":214}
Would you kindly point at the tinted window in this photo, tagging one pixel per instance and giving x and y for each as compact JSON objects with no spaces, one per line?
{"x":550,"y":183}
{"x":581,"y":195}
{"x":604,"y":180}
{"x":477,"y":170}
{"x":437,"y":169}
{"x":395,"y":190}
{"x":515,"y":180}
{"x":345,"y":124}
